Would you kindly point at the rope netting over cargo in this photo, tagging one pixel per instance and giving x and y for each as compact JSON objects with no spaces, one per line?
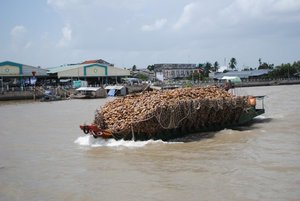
{"x":151,"y":113}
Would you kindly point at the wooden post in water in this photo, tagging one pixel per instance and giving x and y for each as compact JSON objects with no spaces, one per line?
{"x":34,"y":91}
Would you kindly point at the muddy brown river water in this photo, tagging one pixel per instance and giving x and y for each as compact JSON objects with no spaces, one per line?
{"x":44,"y":156}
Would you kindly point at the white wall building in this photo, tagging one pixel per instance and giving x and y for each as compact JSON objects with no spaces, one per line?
{"x":169,"y":71}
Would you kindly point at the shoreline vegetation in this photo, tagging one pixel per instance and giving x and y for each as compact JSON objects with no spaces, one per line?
{"x":30,"y":93}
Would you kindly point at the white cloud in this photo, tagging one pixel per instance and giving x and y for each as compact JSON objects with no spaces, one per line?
{"x":18,"y":31}
{"x":27,"y":45}
{"x":68,"y":5}
{"x":186,"y":16}
{"x":240,"y":10}
{"x":66,"y":36}
{"x":206,"y":29}
{"x":19,"y":39}
{"x":286,"y":5}
{"x":156,"y":26}
{"x":60,"y":4}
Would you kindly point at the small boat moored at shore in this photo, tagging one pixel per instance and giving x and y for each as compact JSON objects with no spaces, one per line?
{"x":89,"y":92}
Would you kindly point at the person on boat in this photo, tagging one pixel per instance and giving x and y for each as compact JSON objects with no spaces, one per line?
{"x":228,"y":85}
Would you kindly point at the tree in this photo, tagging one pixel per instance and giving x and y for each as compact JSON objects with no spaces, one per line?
{"x":200,"y":65}
{"x":232,"y":63}
{"x":216,"y":66}
{"x":284,"y":71}
{"x":134,"y":68}
{"x":296,"y":65}
{"x":259,"y":61}
{"x":150,"y":67}
{"x":195,"y":75}
{"x":264,"y":65}
{"x":207,"y":69}
{"x":142,"y":77}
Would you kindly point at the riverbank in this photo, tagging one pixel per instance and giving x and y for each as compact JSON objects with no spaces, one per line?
{"x":270,"y":82}
{"x":256,"y":82}
{"x":24,"y":95}
{"x":19,"y":95}
{"x":38,"y":93}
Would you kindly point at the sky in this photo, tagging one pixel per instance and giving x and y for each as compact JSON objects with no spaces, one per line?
{"x":51,"y":33}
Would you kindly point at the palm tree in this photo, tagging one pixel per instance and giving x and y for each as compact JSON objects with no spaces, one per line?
{"x":150,"y":67}
{"x":232,"y":63}
{"x":207,"y":68}
{"x":134,"y":68}
{"x":216,"y":66}
{"x":259,"y":61}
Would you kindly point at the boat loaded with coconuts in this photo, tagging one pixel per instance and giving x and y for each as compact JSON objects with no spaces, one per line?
{"x":173,"y":113}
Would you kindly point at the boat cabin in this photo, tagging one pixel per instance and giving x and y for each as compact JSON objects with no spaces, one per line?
{"x":90,"y":92}
{"x":116,"y":90}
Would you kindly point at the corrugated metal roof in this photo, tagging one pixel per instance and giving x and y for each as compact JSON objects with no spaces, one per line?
{"x":88,"y":89}
{"x":26,"y":70}
{"x":111,"y":69}
{"x":114,"y":87}
{"x":99,"y":61}
{"x":243,"y":74}
{"x":64,"y":68}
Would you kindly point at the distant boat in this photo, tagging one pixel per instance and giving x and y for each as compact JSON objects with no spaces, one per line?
{"x":89,"y":92}
{"x":116,"y":90}
{"x":47,"y":98}
{"x":50,"y":96}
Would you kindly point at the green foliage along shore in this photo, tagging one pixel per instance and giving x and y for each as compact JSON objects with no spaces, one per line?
{"x":286,"y":70}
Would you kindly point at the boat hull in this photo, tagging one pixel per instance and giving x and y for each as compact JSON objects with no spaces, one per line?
{"x":169,"y":134}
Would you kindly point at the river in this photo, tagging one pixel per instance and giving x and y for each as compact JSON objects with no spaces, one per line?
{"x":45,"y":156}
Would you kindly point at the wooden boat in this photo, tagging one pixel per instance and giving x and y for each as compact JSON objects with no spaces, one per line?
{"x":89,"y":92}
{"x":193,"y":116}
{"x":50,"y":96}
{"x":96,"y":131}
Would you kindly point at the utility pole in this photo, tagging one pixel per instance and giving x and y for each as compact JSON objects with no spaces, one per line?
{"x":2,"y":85}
{"x":34,"y":89}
